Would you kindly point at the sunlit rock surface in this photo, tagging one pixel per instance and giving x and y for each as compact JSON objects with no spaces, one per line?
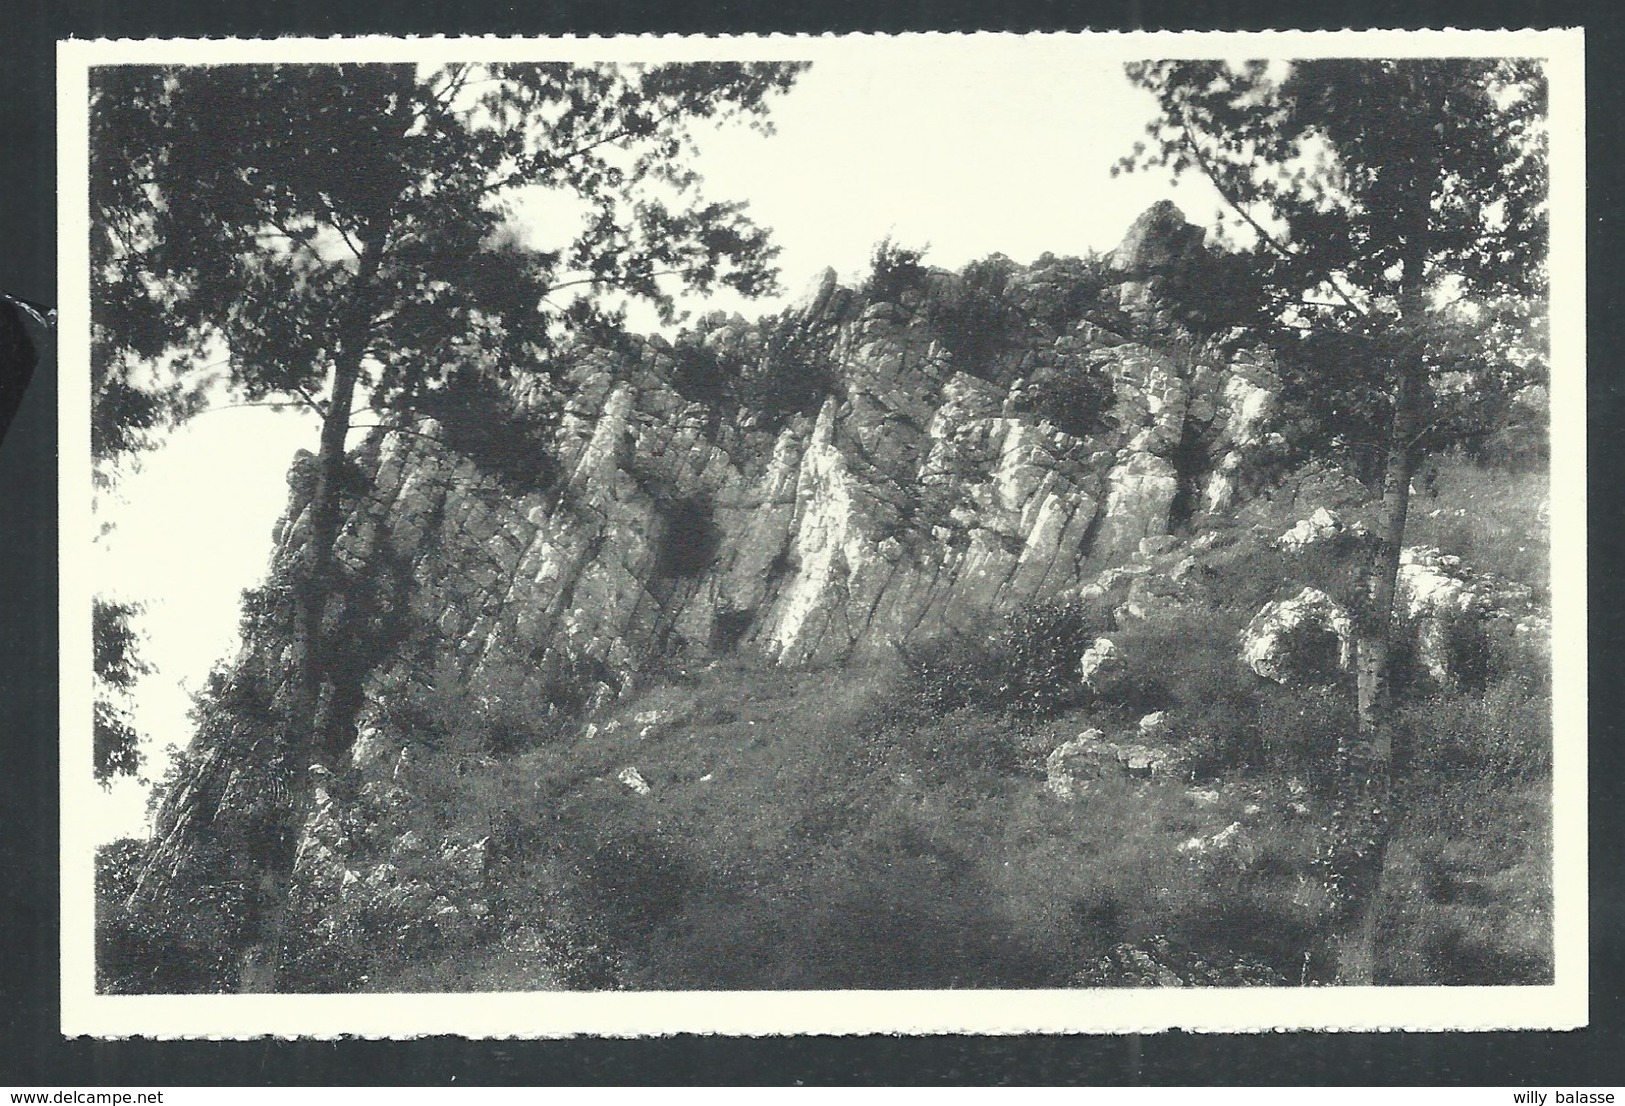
{"x":916,"y":501}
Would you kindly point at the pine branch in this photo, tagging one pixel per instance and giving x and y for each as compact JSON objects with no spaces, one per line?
{"x":1263,"y":233}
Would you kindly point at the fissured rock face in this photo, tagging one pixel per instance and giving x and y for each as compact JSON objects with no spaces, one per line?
{"x":924,"y":497}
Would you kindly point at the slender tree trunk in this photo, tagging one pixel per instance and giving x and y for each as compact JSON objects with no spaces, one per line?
{"x":1376,"y":624}
{"x":1367,"y":761}
{"x":1365,"y":814}
{"x":312,"y":744}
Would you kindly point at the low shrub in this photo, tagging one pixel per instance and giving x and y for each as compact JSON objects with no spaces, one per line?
{"x":796,"y":373}
{"x":1183,"y":659}
{"x":1470,"y":656}
{"x":183,"y":942}
{"x":894,"y":271}
{"x":1028,"y":666}
{"x":974,"y":321}
{"x":507,"y":706}
{"x":1039,"y":647}
{"x":629,"y":872}
{"x":1064,"y":291}
{"x":1077,"y":402}
{"x":1309,"y":652}
{"x":1300,"y":729}
{"x":701,"y":374}
{"x":947,"y":673}
{"x":1502,"y":734}
{"x":480,"y":419}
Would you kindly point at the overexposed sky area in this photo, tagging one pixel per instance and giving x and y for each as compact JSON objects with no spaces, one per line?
{"x":1008,"y":155}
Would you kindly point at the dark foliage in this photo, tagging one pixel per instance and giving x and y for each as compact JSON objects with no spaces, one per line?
{"x":796,"y":374}
{"x":1076,"y":400}
{"x":974,"y":320}
{"x":183,"y":942}
{"x":1216,"y":290}
{"x":1337,"y":398}
{"x":1029,"y":666}
{"x":1061,"y":292}
{"x":631,"y":876}
{"x":117,"y":745}
{"x":894,"y":272}
{"x":481,"y":420}
{"x":730,"y":628}
{"x":700,"y":374}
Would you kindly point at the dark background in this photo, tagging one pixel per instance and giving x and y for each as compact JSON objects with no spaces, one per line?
{"x":32,"y":1051}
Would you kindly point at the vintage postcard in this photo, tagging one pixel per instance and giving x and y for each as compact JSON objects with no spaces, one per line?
{"x":935,"y":533}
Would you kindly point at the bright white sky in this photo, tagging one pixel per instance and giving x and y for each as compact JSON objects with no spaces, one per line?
{"x":1013,"y":158}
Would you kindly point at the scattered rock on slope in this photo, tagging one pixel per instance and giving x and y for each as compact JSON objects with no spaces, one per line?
{"x":1303,"y":640}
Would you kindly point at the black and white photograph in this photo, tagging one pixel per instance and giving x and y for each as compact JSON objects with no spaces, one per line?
{"x":1023,"y":533}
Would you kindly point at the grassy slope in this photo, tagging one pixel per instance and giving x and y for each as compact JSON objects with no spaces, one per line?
{"x":792,"y":841}
{"x":1494,"y":520}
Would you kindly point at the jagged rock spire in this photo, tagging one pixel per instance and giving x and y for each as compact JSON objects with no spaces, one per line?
{"x":1160,"y":240}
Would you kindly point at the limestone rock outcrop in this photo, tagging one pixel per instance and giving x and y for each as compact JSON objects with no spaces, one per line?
{"x":1438,"y":600}
{"x":1440,"y":597}
{"x":917,"y":500}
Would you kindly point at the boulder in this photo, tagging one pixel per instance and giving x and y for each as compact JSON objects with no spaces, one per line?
{"x":1441,"y":598}
{"x":1072,"y":767}
{"x":633,"y":779}
{"x":1318,"y":527}
{"x":1432,"y":584}
{"x":1307,"y":639}
{"x":1099,"y":664}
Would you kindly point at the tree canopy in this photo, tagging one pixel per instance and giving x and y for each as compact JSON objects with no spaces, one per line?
{"x":273,"y":217}
{"x":1350,"y":169}
{"x":1397,"y":214}
{"x":117,"y":746}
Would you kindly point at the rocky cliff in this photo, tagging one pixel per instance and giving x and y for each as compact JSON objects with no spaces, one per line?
{"x":924,"y":495}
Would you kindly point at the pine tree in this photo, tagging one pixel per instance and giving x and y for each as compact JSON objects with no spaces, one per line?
{"x":1398,"y":207}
